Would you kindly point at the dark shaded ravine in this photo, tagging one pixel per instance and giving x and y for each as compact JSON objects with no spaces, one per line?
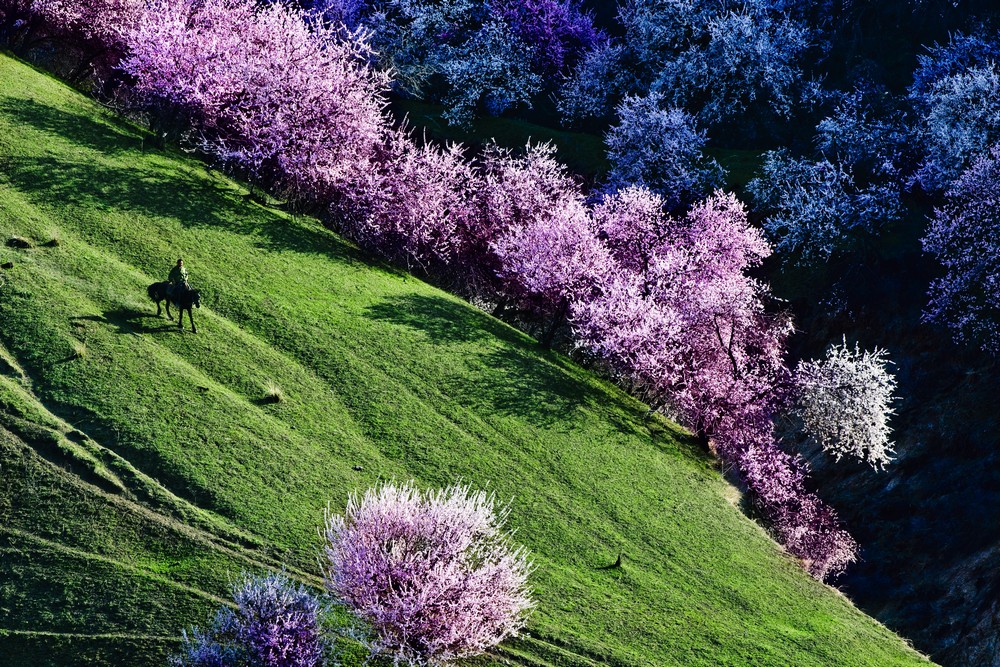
{"x":929,"y":525}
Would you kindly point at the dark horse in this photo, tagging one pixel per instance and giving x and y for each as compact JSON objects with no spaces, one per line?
{"x":183,"y":299}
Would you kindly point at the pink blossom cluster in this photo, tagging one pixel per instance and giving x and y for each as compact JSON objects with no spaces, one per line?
{"x":433,"y":573}
{"x":680,"y":320}
{"x":105,"y":21}
{"x":281,"y":96}
{"x":665,"y":303}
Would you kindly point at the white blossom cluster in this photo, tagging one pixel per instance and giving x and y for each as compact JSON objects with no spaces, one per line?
{"x":845,"y":402}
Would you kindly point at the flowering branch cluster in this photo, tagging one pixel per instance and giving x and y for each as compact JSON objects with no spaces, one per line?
{"x":845,"y":401}
{"x":274,"y":623}
{"x":433,"y":573}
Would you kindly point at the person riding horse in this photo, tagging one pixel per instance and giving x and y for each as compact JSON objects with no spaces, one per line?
{"x":178,"y":278}
{"x":177,"y":290}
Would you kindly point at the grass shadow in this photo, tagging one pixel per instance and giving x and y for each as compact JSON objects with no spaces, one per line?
{"x":442,"y":320}
{"x":194,"y":197}
{"x":77,"y":128}
{"x":518,"y":378}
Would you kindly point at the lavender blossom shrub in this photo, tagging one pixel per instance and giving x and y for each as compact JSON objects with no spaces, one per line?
{"x":276,"y":623}
{"x":660,"y":149}
{"x":798,"y":518}
{"x":557,"y":31}
{"x":845,"y":402}
{"x":681,"y":322}
{"x":964,"y":236}
{"x":433,"y":573}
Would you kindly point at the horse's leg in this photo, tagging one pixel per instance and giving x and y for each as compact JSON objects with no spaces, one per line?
{"x":191,"y":317}
{"x":169,"y":316}
{"x":158,"y":310}
{"x":180,"y":317}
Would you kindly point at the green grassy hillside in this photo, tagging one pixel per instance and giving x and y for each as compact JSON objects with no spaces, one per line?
{"x":142,"y":468}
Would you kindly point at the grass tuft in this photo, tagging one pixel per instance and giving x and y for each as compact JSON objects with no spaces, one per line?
{"x":79,"y":349}
{"x":273,"y":393}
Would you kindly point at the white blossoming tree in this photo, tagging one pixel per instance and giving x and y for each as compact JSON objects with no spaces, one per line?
{"x":845,"y":402}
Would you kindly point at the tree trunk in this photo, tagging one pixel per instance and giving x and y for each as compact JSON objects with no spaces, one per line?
{"x":557,"y":320}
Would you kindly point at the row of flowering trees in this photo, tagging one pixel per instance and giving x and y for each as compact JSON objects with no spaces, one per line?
{"x":663,"y":302}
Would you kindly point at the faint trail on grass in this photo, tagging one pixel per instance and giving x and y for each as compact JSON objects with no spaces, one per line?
{"x":79,"y":635}
{"x":89,"y":555}
{"x":207,"y":539}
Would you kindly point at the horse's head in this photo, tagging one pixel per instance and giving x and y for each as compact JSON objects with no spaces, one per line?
{"x":196,"y":298}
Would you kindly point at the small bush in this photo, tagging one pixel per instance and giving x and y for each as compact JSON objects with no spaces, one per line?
{"x":275,"y":623}
{"x":433,"y":573}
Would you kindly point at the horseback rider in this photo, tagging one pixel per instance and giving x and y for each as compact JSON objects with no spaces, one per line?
{"x":178,"y":278}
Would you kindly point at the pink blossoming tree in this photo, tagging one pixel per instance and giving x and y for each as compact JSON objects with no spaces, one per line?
{"x":289,"y":101}
{"x":433,"y":573}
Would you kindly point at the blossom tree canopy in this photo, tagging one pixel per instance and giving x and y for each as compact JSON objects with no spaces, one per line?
{"x":964,"y":236}
{"x":433,"y":573}
{"x":845,"y":402}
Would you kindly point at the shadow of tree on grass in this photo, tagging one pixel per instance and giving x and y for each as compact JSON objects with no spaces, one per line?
{"x":517,"y":378}
{"x":196,"y":198}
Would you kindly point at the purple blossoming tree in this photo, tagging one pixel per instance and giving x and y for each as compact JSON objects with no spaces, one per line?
{"x":433,"y":573}
{"x":275,"y":623}
{"x":964,"y":236}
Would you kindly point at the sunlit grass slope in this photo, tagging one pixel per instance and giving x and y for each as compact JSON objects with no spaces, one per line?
{"x":142,"y":468}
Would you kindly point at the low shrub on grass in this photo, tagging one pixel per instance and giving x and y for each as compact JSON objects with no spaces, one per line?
{"x":433,"y":573}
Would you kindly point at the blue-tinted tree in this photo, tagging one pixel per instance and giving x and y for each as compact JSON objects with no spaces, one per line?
{"x":815,"y":208}
{"x":275,"y":623}
{"x":870,"y":132}
{"x":956,"y":92}
{"x":716,"y":60}
{"x":660,"y":149}
{"x":472,"y":55}
{"x":745,"y":59}
{"x":491,"y":71}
